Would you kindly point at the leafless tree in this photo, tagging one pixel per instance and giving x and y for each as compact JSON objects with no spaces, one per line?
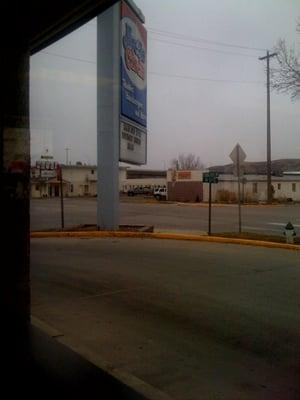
{"x":285,"y":76}
{"x":186,"y":162}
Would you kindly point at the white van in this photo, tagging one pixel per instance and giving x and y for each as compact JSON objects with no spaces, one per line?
{"x":160,"y":193}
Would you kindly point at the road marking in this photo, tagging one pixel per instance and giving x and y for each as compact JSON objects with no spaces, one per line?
{"x":281,"y":224}
{"x":257,"y":228}
{"x":109,"y":293}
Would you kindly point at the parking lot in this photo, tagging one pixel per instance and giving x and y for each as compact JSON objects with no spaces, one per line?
{"x":196,"y":320}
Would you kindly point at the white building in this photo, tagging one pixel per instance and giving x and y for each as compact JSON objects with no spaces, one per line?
{"x":81,"y":180}
{"x":254,"y":188}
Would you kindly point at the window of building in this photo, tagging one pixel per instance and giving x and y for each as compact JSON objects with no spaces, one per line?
{"x":294,"y":187}
{"x":92,"y":172}
{"x":71,"y":188}
{"x":254,"y":187}
{"x":279,"y":186}
{"x":37,"y":187}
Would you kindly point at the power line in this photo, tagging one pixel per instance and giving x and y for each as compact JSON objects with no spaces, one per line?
{"x":203,"y":48}
{"x":158,"y":73}
{"x":203,"y":79}
{"x":194,"y":39}
{"x":198,"y":39}
{"x":68,"y":57}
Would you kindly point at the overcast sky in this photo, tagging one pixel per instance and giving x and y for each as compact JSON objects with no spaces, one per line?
{"x":203,"y":97}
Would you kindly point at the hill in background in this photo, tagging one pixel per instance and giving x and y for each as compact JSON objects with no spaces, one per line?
{"x":260,"y":167}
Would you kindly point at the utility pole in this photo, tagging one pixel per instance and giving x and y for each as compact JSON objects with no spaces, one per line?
{"x":269,"y":166}
{"x":239,"y":188}
{"x":67,"y":155}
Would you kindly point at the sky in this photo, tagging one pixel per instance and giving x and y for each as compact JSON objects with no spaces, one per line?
{"x":206,"y":88}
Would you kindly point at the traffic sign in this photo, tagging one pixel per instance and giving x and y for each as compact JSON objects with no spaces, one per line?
{"x":238,"y":154}
{"x":210,"y":177}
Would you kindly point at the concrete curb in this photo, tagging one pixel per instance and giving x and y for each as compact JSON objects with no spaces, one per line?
{"x":170,"y":236}
{"x":136,"y":384}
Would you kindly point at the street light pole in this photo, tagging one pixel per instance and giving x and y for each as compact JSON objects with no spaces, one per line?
{"x":67,"y":155}
{"x":269,"y":165}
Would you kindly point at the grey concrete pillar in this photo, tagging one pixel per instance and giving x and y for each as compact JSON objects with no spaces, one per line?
{"x":108,"y":111}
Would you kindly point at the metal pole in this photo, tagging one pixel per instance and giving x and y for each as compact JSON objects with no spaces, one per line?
{"x":243,"y":191}
{"x":269,"y":165}
{"x":209,"y":209}
{"x":61,"y":199}
{"x":67,"y":158}
{"x":239,"y":188}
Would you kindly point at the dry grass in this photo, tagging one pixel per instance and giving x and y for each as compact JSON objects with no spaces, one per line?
{"x":256,"y":236}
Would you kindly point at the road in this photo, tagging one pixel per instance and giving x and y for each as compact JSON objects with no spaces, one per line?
{"x":196,"y":320}
{"x":164,"y":216}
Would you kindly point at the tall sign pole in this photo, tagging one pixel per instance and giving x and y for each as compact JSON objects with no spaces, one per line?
{"x":108,"y":101}
{"x":121,"y":102}
{"x":269,"y":165}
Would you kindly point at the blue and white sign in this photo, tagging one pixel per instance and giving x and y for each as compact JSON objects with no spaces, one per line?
{"x":133,"y":67}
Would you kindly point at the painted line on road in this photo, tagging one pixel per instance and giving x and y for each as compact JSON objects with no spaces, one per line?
{"x":170,"y":236}
{"x":110,"y":293}
{"x":138,"y":385}
{"x":257,"y":228}
{"x":281,"y":224}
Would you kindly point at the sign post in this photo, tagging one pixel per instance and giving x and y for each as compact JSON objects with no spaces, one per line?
{"x":210,"y":177}
{"x":238,"y":156}
{"x":209,"y":210}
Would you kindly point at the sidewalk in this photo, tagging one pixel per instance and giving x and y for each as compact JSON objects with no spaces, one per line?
{"x":37,"y":366}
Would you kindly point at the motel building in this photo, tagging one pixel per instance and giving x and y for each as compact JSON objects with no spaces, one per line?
{"x":80,"y":180}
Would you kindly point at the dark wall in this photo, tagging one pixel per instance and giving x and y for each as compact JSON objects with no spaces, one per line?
{"x":15,"y":162}
{"x":185,"y":191}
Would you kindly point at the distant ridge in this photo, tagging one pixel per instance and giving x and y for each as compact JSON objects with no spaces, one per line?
{"x":260,"y":167}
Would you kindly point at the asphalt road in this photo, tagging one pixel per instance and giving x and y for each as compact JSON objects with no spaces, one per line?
{"x":164,"y":216}
{"x":196,"y":320}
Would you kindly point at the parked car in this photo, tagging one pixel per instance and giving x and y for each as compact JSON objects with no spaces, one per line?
{"x":139,"y":190}
{"x":160,"y":193}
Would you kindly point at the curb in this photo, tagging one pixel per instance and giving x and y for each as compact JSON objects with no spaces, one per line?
{"x":134,"y":383}
{"x":170,"y":236}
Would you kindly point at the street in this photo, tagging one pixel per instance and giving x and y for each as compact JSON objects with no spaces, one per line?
{"x":196,"y":320}
{"x":165,"y":216}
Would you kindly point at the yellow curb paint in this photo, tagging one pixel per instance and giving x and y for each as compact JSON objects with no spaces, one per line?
{"x":170,"y":236}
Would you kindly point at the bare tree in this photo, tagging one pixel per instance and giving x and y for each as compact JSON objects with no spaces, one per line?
{"x":285,"y":77}
{"x":186,"y":162}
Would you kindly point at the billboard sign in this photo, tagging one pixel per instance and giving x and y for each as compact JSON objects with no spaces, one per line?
{"x":48,"y":173}
{"x":133,"y":67}
{"x":133,"y":142}
{"x":184,"y":175}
